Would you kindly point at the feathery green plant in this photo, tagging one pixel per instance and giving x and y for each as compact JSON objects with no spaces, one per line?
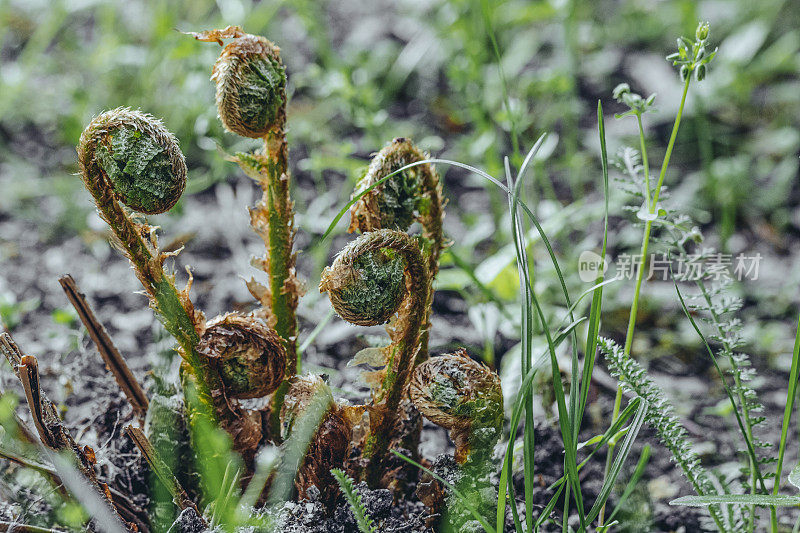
{"x":661,"y":417}
{"x":363,"y":521}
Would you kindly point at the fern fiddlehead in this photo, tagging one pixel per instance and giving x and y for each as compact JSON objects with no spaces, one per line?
{"x":464,"y":396}
{"x":128,"y":158}
{"x":358,"y":283}
{"x":251,"y":102}
{"x":414,"y":194}
{"x":248,"y":356}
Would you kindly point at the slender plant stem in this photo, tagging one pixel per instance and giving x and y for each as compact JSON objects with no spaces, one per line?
{"x":645,"y":162}
{"x":276,"y":205}
{"x":787,"y":416}
{"x":653,"y":207}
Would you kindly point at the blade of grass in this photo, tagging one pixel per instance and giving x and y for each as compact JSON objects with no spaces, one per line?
{"x":761,"y":500}
{"x":634,"y":480}
{"x":787,"y":413}
{"x":563,"y":413}
{"x":619,"y":461}
{"x":526,"y":337}
{"x":613,"y":431}
{"x":597,"y":296}
{"x":463,"y":499}
{"x":508,"y":461}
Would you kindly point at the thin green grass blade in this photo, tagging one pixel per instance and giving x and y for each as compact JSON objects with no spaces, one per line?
{"x":564,"y":417}
{"x":759,"y":500}
{"x":637,"y":475}
{"x":614,"y":429}
{"x":463,"y":499}
{"x":787,"y":413}
{"x":508,"y":461}
{"x":619,"y":461}
{"x":597,"y":297}
{"x":357,"y":197}
{"x":526,"y":337}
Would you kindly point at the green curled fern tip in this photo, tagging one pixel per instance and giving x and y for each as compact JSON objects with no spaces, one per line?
{"x":132,"y":155}
{"x":366,"y":281}
{"x":251,"y":82}
{"x":395,"y":203}
{"x":462,"y":395}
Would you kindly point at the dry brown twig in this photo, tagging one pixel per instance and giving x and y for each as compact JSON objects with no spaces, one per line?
{"x":160,"y":469}
{"x":108,"y":351}
{"x":51,"y":430}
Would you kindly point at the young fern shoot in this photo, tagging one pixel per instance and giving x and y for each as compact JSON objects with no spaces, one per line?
{"x":380,"y":274}
{"x":415,"y":194}
{"x":464,"y":396}
{"x":127,"y":158}
{"x":251,"y":102}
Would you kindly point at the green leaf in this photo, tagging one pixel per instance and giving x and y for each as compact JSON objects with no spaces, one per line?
{"x":794,"y":476}
{"x":762,"y":500}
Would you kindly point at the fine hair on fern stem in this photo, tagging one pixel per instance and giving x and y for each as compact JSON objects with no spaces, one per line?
{"x":415,"y":194}
{"x":464,"y":396}
{"x":377,"y":276}
{"x":251,"y":101}
{"x":129,"y":159}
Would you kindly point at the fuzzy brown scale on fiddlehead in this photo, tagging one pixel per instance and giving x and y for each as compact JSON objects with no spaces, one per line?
{"x":249,"y":356}
{"x":343,"y":278}
{"x":413,"y":195}
{"x":459,"y":394}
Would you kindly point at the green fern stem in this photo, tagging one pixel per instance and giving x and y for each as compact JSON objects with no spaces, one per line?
{"x":284,"y":288}
{"x":174,"y":308}
{"x":353,"y":300}
{"x":251,"y":102}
